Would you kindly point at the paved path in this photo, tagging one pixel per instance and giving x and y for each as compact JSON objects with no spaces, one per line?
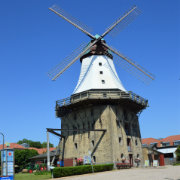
{"x":160,"y":173}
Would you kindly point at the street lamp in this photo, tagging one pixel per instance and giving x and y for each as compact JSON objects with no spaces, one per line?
{"x":3,"y":139}
{"x":3,"y":153}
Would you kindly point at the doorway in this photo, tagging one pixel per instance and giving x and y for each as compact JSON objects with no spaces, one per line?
{"x":131,"y":159}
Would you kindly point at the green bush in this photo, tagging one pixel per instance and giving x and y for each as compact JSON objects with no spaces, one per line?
{"x":22,"y":157}
{"x":176,"y":164}
{"x":77,"y":170}
{"x":178,"y":153}
{"x":42,"y":173}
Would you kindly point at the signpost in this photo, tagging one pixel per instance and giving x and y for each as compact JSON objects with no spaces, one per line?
{"x":155,"y":163}
{"x":146,"y":163}
{"x":88,"y":160}
{"x":7,"y":160}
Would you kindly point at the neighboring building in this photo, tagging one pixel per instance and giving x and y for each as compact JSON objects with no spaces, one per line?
{"x":166,"y":146}
{"x":42,"y":158}
{"x":11,"y":146}
{"x":17,"y":146}
{"x":26,"y":145}
{"x":150,"y":154}
{"x":42,"y":150}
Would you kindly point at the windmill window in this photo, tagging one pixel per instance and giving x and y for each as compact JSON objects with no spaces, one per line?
{"x":104,"y":95}
{"x":100,"y":72}
{"x":103,"y":81}
{"x":100,"y":64}
{"x":118,"y":122}
{"x":94,"y":158}
{"x":122,"y":155}
{"x":93,"y":142}
{"x":75,"y":144}
{"x":136,"y":142}
{"x":119,"y":139}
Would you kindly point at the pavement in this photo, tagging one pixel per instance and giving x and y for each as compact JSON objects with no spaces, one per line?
{"x":158,"y":173}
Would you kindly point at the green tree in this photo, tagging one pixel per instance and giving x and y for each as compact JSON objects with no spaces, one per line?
{"x":36,"y":144}
{"x":44,"y":145}
{"x":22,"y":157}
{"x":178,"y":153}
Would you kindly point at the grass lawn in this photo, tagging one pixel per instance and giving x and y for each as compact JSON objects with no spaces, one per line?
{"x":27,"y":176}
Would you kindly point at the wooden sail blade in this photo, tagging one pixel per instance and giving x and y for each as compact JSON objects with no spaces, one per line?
{"x":68,"y":61}
{"x":131,"y":66}
{"x":122,"y":22}
{"x":60,"y":12}
{"x":57,"y":69}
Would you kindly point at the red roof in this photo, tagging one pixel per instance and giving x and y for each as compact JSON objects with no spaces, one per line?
{"x":169,"y":139}
{"x":17,"y":146}
{"x":12,"y":146}
{"x":42,"y":150}
{"x":172,"y":138}
{"x":149,"y":141}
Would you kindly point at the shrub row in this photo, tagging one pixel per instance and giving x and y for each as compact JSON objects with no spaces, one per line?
{"x":41,"y":173}
{"x":176,"y":163}
{"x":77,"y":170}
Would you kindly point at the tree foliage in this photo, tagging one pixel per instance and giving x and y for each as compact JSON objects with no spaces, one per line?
{"x":178,"y":153}
{"x":22,"y":157}
{"x":36,"y":144}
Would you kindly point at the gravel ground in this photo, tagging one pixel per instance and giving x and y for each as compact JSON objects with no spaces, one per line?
{"x":159,"y":173}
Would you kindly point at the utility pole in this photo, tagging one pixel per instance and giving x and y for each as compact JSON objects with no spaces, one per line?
{"x":48,"y":153}
{"x":3,"y":154}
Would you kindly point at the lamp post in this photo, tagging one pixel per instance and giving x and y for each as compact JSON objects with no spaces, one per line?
{"x":1,"y":156}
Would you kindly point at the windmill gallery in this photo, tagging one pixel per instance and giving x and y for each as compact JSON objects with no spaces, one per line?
{"x":101,"y":116}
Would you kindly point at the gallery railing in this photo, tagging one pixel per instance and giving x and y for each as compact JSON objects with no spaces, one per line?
{"x":102,"y":95}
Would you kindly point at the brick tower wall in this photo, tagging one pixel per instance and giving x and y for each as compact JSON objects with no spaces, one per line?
{"x":120,"y":123}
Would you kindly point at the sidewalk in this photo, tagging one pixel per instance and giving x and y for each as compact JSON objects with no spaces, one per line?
{"x":159,"y":173}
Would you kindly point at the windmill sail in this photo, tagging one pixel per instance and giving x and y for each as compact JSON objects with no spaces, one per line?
{"x":122,"y":22}
{"x":67,"y":62}
{"x":57,"y":69}
{"x":60,"y":12}
{"x":97,"y":46}
{"x":131,"y":66}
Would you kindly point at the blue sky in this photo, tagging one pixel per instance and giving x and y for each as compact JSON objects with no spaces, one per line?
{"x":33,"y":40}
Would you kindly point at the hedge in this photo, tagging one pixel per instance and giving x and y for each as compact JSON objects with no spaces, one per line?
{"x":176,"y":163}
{"x":77,"y":170}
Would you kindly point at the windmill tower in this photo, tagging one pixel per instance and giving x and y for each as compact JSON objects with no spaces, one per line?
{"x":101,"y":116}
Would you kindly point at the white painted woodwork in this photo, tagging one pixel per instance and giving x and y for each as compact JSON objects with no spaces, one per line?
{"x":90,"y":77}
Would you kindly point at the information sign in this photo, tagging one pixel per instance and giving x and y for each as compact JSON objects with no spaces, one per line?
{"x":155,"y":163}
{"x":7,"y":178}
{"x":7,"y":158}
{"x":146,"y":163}
{"x":87,"y":159}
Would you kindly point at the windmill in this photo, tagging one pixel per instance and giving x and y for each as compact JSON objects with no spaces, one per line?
{"x":101,"y":115}
{"x":98,"y":46}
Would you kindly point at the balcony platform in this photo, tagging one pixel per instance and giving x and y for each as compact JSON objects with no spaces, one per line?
{"x":101,"y":97}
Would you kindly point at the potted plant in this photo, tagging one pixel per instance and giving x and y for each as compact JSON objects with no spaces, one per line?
{"x":79,"y":161}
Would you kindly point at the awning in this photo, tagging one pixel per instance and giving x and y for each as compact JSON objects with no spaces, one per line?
{"x":167,"y":150}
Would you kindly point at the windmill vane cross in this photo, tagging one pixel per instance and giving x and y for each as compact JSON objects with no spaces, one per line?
{"x":98,"y":44}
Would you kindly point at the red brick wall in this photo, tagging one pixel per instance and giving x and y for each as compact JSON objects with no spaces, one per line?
{"x":68,"y":162}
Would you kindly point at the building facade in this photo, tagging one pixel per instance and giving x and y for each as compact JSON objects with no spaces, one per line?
{"x":104,"y":123}
{"x":166,"y":146}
